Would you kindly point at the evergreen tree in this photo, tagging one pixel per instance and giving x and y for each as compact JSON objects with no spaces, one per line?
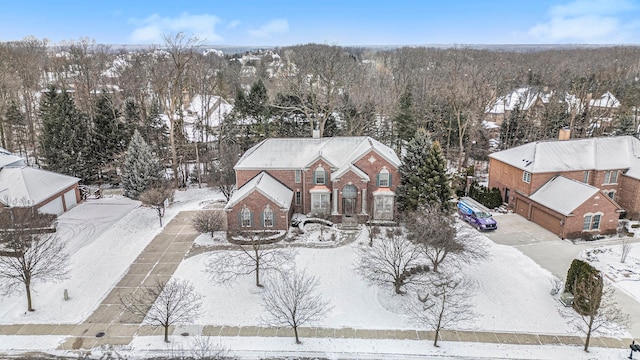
{"x":154,"y":130}
{"x":412,"y":191}
{"x":64,"y":141}
{"x":625,"y":126}
{"x":14,"y":129}
{"x":437,"y":182}
{"x":405,"y":120}
{"x":141,"y":168}
{"x":108,"y":136}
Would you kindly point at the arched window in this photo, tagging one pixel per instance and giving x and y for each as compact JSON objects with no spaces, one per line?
{"x":320,"y":176}
{"x":384,"y":178}
{"x":245,"y":217}
{"x":267,"y":217}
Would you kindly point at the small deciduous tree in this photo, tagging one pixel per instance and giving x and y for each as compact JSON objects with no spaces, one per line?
{"x":31,"y":253}
{"x":291,"y":299}
{"x":596,"y":310}
{"x":164,"y":304}
{"x":155,"y":198}
{"x":442,"y":303}
{"x":209,"y":222}
{"x":252,"y":257}
{"x":388,"y":261}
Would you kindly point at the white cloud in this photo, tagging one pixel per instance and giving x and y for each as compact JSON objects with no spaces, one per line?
{"x":584,"y":21}
{"x":233,"y":24}
{"x":151,"y":29}
{"x":278,"y":26}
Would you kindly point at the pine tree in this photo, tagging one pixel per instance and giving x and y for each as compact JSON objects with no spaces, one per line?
{"x":412,"y":192}
{"x":14,"y":129}
{"x":404,"y":120}
{"x":109,"y":133}
{"x":437,"y":182}
{"x":64,"y":140}
{"x":141,"y":168}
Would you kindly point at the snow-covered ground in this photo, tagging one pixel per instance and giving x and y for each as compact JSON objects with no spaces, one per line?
{"x":105,"y":236}
{"x":624,"y":276}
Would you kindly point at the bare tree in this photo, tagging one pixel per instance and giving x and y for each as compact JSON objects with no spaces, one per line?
{"x":435,"y":234}
{"x":223,"y":174}
{"x":251,"y":258}
{"x":445,"y":303}
{"x":155,"y":197}
{"x":390,"y":261}
{"x":210,"y":221}
{"x":626,"y":248}
{"x":29,"y":251}
{"x":596,"y":310}
{"x":164,"y":304}
{"x":290,"y":299}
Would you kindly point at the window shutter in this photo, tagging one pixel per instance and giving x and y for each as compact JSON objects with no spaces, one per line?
{"x":315,"y":178}
{"x":240,"y":218}
{"x":326,"y":177}
{"x":262,"y":218}
{"x":275,"y":216}
{"x":389,"y":179}
{"x":251,"y":214}
{"x":378,"y":180}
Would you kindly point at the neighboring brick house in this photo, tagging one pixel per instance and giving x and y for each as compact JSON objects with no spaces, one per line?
{"x":26,"y":187}
{"x":334,"y":177}
{"x":561,"y":184}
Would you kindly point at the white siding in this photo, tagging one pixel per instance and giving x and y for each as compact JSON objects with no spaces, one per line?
{"x":53,"y":207}
{"x":70,"y":199}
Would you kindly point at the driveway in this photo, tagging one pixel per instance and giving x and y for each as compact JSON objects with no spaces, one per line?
{"x":555,"y":254}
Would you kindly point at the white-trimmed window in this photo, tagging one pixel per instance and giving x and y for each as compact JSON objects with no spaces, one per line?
{"x":611,"y":194}
{"x":585,"y":177}
{"x":384,"y":178}
{"x":320,"y":202}
{"x":298,"y":197}
{"x":526,"y":177}
{"x":267,"y":217}
{"x":611,"y":177}
{"x":591,"y":221}
{"x":298,"y":176}
{"x":320,"y":176}
{"x":245,"y":217}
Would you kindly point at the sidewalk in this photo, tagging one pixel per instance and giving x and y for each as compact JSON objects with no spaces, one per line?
{"x":160,"y":259}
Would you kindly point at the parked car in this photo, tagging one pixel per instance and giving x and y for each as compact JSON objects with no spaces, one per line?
{"x":476,"y":214}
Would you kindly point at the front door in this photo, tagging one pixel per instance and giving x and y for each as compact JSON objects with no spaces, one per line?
{"x":506,"y":195}
{"x":349,"y":199}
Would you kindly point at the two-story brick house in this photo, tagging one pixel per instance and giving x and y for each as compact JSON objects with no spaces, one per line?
{"x":333,"y":177}
{"x":571,"y":187}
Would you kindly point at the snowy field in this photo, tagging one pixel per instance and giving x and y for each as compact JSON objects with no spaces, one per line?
{"x":623,"y":276}
{"x":105,"y":236}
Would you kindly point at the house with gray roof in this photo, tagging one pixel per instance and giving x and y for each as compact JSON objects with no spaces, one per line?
{"x":571,"y":187}
{"x":338,"y":178}
{"x":22,"y":186}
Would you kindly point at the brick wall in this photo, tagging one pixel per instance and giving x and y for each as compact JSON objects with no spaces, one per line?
{"x":256,"y":203}
{"x":629,"y":196}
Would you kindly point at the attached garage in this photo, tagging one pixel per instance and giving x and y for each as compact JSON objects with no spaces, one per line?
{"x":54,"y":207}
{"x":522,"y":207}
{"x":547,"y":220}
{"x":70,"y":199}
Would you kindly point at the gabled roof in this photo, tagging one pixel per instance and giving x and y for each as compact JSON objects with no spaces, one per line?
{"x":607,"y":100}
{"x":563,"y":195}
{"x":604,"y":153}
{"x":350,"y":167}
{"x":271,"y":188}
{"x":9,"y":159}
{"x":521,"y":98}
{"x":26,"y":186}
{"x":298,"y":153}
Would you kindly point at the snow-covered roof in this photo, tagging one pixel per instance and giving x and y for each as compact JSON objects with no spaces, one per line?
{"x":9,"y":159}
{"x":607,"y":100}
{"x":268,"y":186}
{"x":604,"y":153}
{"x":563,"y":195}
{"x":298,"y":153}
{"x":521,"y":98}
{"x":26,"y":186}
{"x":349,"y":167}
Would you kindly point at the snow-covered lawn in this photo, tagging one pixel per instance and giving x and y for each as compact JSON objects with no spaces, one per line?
{"x":513,"y":292}
{"x":103,"y":238}
{"x":624,"y":276}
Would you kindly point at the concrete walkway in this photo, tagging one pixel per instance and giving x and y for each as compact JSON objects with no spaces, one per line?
{"x":160,"y":259}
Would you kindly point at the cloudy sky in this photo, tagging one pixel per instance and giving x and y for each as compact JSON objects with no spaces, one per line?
{"x":334,"y":22}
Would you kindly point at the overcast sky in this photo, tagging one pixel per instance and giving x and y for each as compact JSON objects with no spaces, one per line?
{"x":333,"y":22}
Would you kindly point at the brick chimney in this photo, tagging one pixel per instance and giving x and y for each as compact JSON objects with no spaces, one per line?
{"x":564,"y":134}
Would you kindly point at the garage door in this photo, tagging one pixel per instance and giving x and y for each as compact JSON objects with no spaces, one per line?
{"x":53,"y":207}
{"x":546,"y":220}
{"x":70,"y":199}
{"x":522,"y":208}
